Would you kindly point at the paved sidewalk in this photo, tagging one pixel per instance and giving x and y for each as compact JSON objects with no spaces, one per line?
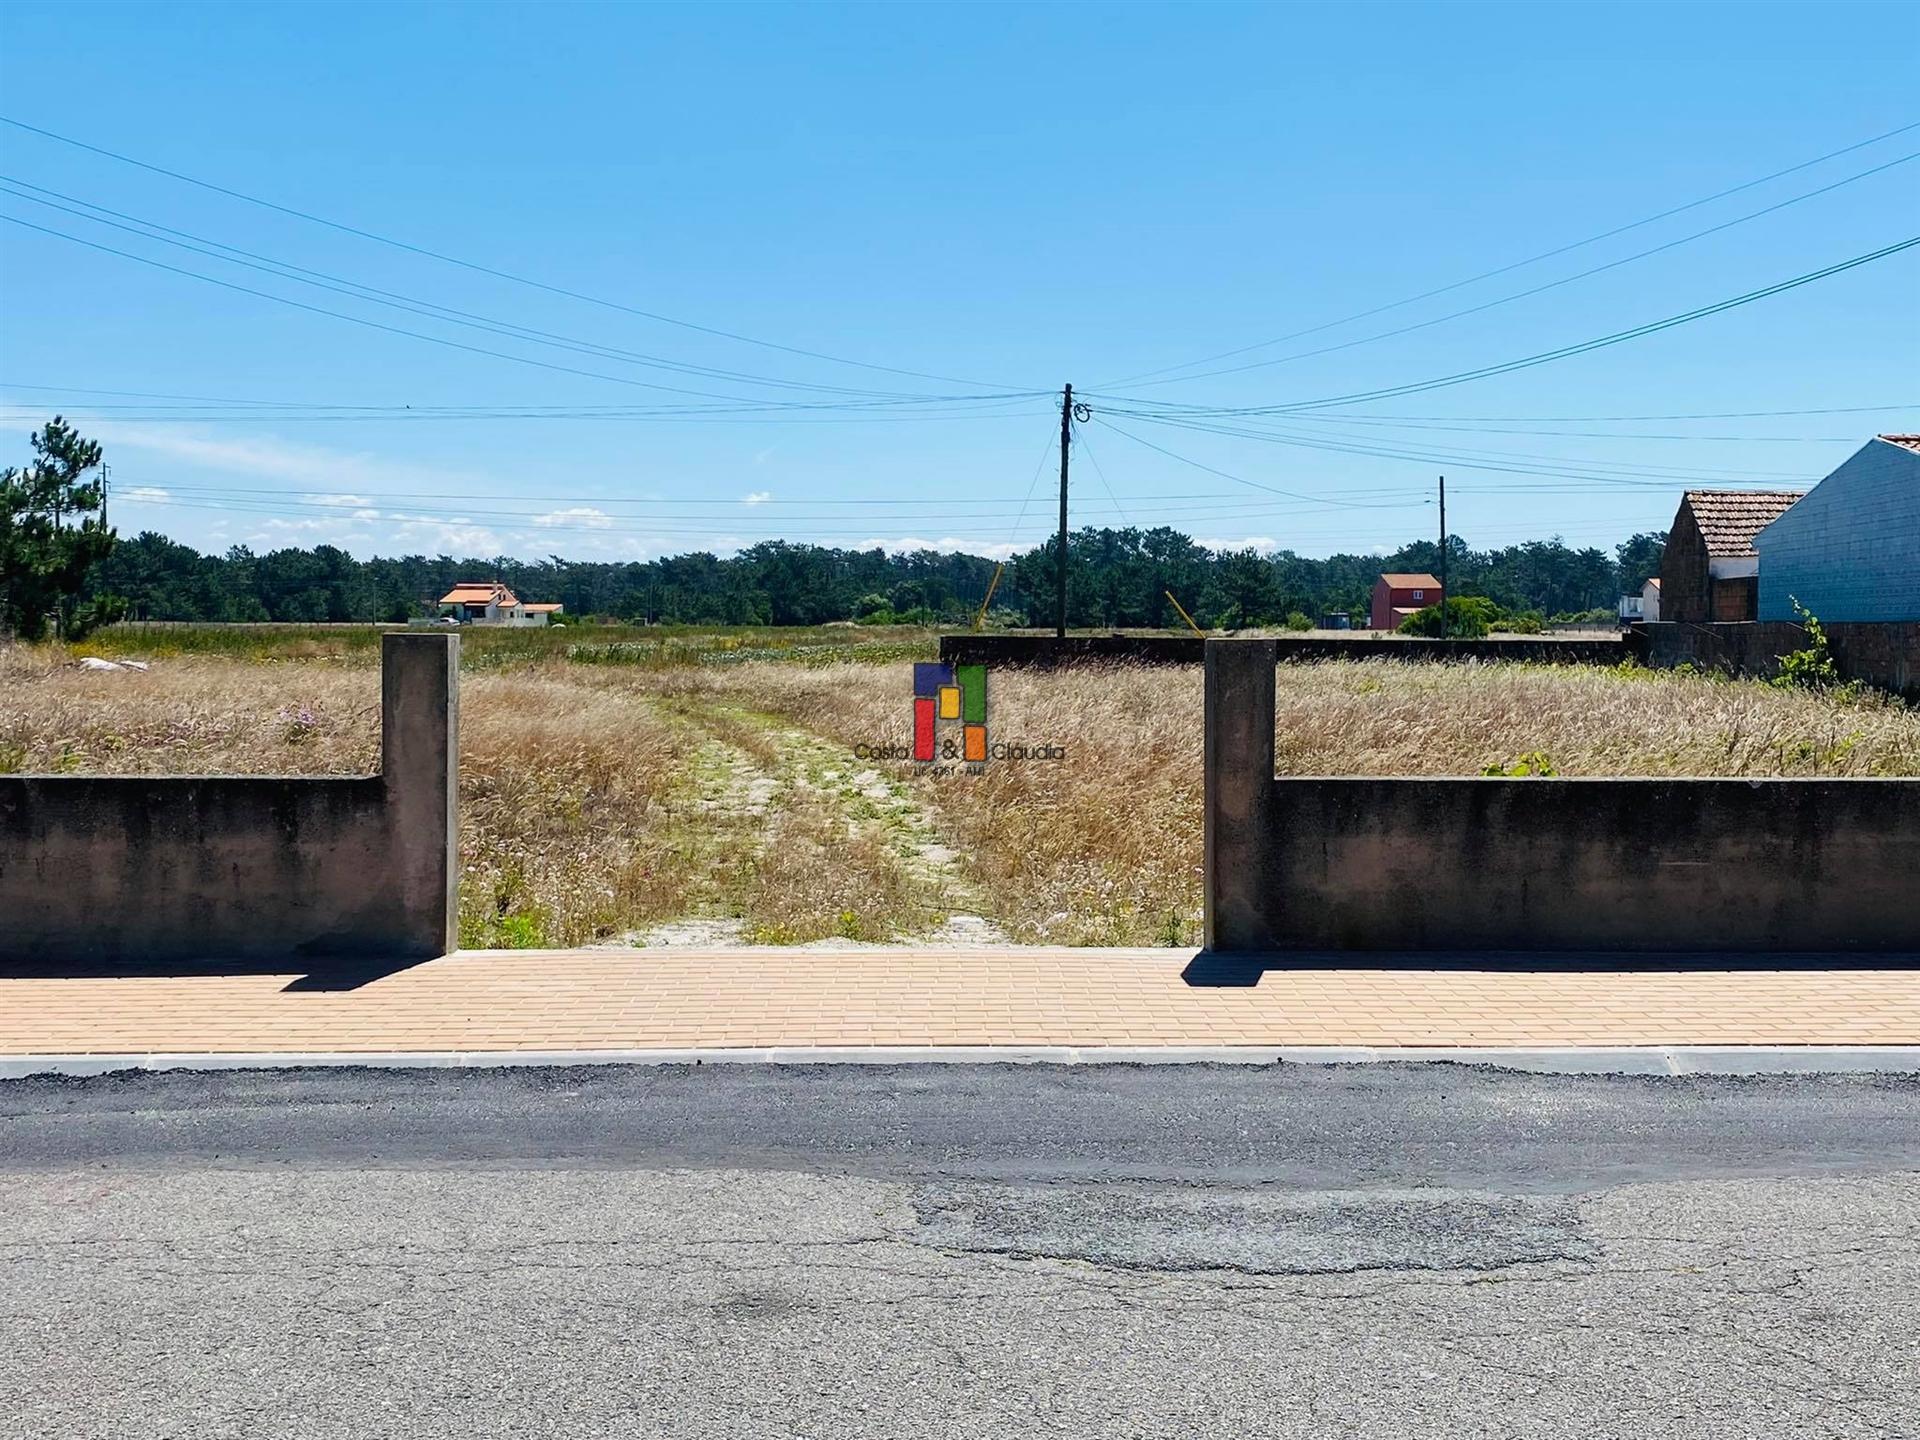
{"x":590,"y":1000}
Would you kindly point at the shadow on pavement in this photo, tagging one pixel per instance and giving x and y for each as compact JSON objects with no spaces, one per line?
{"x":337,"y":974}
{"x":1227,"y":970}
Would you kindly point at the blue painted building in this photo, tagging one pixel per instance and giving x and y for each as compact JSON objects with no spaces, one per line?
{"x":1850,"y":548}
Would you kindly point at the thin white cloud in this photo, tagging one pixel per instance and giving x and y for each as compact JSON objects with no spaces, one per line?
{"x":907,"y":543}
{"x":757,"y":497}
{"x":1265,"y":544}
{"x":576,"y":517}
{"x":144,"y":495}
{"x":273,"y":459}
{"x":395,"y":537}
{"x":335,"y":499}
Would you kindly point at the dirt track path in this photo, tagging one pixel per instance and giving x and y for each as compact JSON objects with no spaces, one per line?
{"x":789,"y":838}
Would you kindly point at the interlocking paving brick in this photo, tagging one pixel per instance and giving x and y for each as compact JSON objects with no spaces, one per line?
{"x":756,"y":998}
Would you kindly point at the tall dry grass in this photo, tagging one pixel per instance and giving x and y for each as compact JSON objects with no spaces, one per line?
{"x":1104,"y":847}
{"x":562,"y":786}
{"x":597,"y":799}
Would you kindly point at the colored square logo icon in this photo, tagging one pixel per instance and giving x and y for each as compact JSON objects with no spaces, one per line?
{"x":948,"y":693}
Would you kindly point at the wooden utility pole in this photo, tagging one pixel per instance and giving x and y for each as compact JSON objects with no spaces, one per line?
{"x":1060,"y":578}
{"x":1444,"y":597}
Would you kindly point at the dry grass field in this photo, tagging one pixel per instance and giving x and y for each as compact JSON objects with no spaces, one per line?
{"x":706,"y":786}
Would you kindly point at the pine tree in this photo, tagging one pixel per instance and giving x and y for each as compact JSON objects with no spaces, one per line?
{"x":52,"y":532}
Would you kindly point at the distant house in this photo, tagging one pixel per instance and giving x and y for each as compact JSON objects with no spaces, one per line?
{"x":488,"y":602}
{"x":1642,"y":607}
{"x":1395,"y":597}
{"x":1851,"y":549}
{"x":1709,"y":570}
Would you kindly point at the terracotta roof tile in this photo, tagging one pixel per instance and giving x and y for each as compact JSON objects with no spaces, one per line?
{"x":1729,"y":519}
{"x":1911,"y":442}
{"x":1403,"y":582}
{"x":478,"y":592}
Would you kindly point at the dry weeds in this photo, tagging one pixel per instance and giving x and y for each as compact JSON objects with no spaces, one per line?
{"x":598,"y":800}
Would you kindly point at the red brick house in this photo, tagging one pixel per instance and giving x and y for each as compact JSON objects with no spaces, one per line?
{"x":1395,"y":597}
{"x":1710,"y":570}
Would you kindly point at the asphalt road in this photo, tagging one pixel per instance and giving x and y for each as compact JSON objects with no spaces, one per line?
{"x":1391,"y":1251}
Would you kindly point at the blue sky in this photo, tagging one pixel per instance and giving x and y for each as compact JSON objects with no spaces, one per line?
{"x":1007,"y":197}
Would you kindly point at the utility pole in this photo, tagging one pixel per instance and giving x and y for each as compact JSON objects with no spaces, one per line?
{"x":103,"y":494}
{"x":1444,"y":597}
{"x":1060,"y":578}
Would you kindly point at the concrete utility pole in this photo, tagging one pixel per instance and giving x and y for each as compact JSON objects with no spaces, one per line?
{"x":1060,"y":578}
{"x":1443,"y":557}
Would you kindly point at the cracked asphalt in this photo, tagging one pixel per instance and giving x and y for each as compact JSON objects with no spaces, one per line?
{"x":949,"y":1251}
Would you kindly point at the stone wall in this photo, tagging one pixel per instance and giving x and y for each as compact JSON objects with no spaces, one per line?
{"x":168,"y":868}
{"x":1049,"y":651}
{"x":1685,"y":593}
{"x":1884,"y":655}
{"x":1372,"y":864}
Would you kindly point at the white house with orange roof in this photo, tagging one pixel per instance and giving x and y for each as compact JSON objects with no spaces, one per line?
{"x":488,"y":602}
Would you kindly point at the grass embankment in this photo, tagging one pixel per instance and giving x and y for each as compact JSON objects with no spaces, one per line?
{"x":709,"y":776}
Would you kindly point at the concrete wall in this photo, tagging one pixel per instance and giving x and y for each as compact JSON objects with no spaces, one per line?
{"x":1883,"y":655}
{"x":160,"y":868}
{"x":1048,"y":651}
{"x":1850,"y":550}
{"x":1539,"y":864}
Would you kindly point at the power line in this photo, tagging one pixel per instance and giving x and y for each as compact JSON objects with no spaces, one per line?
{"x":774,"y":415}
{"x":1227,"y":475}
{"x":1530,"y":260}
{"x":739,"y":514}
{"x":413,"y":304}
{"x":1496,"y":462}
{"x":479,"y":268}
{"x":1564,"y":352}
{"x":436,"y":411}
{"x":421,"y":335}
{"x":1248,"y":430}
{"x":558,"y":523}
{"x":1079,"y":432}
{"x":1596,"y":419}
{"x":1537,"y":289}
{"x":1320,"y":418}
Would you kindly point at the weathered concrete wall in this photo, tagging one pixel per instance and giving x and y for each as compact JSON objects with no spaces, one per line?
{"x":233,"y":867}
{"x":1539,"y":864}
{"x":1049,"y":651}
{"x":1887,"y":655}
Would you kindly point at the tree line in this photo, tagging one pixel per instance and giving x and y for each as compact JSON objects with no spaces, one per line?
{"x":1115,"y":578}
{"x":61,"y":567}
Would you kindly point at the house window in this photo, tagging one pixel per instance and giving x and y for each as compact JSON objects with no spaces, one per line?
{"x":1419,"y":594}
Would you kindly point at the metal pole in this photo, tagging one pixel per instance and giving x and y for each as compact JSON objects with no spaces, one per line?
{"x":1060,"y":577}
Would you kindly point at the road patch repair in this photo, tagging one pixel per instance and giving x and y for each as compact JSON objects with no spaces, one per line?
{"x":1640,"y":1014}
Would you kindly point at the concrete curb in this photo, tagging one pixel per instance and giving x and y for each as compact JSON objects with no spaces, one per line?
{"x":1607,"y":1060}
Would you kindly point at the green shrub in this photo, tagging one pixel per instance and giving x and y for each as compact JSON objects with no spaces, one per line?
{"x":1810,"y":668}
{"x":1468,"y":617}
{"x":1297,"y":621}
{"x":1533,"y":763}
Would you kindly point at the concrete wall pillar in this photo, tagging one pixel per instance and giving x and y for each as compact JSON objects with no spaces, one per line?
{"x":419,"y":767}
{"x":1238,"y":722}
